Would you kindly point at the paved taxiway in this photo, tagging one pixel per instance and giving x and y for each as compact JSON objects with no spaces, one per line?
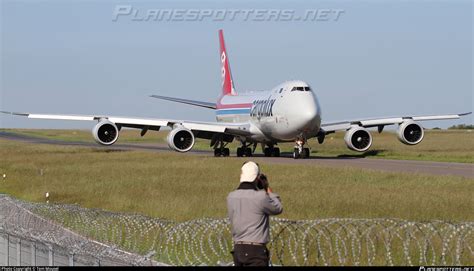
{"x":423,"y":167}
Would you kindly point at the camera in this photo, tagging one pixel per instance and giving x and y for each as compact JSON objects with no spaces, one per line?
{"x":262,"y":182}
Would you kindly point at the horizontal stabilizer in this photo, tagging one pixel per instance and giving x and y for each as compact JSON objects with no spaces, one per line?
{"x":185,"y":101}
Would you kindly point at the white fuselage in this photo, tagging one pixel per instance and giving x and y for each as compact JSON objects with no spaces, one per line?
{"x":289,"y":111}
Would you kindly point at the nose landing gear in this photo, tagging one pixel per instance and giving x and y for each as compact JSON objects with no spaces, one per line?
{"x":300,"y":151}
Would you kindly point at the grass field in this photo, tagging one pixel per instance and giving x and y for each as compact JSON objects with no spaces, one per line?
{"x":182,"y":187}
{"x":438,"y":145}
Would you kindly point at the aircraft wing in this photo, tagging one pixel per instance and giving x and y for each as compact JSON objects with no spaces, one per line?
{"x":201,"y":129}
{"x":381,"y":122}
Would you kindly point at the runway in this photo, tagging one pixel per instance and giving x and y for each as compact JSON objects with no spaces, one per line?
{"x":407,"y":166}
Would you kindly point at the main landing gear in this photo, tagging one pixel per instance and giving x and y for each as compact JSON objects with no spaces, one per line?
{"x":245,"y":150}
{"x":221,"y":150}
{"x":300,"y":151}
{"x":270,"y":151}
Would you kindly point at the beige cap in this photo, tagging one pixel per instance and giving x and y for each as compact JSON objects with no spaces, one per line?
{"x":250,"y":172}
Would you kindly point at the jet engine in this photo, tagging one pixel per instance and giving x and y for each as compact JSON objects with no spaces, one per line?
{"x":180,"y":139}
{"x":358,"y":139}
{"x":105,"y":132}
{"x":410,"y":132}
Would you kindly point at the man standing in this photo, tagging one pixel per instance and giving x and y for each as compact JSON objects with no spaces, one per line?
{"x":249,"y":208}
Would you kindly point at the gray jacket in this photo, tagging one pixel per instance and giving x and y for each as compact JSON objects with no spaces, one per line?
{"x":249,"y":211}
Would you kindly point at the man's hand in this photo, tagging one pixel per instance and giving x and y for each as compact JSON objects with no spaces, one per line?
{"x":269,"y":190}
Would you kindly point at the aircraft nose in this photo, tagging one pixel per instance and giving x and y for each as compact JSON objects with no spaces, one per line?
{"x":306,"y":111}
{"x":307,"y":108}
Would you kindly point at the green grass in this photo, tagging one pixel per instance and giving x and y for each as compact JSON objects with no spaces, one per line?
{"x":182,"y":187}
{"x":438,"y":145}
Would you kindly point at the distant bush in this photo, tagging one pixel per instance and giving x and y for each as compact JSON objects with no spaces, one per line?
{"x":461,"y":126}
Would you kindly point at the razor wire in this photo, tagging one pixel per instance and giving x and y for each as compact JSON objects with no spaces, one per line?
{"x":208,"y":241}
{"x":19,"y":222}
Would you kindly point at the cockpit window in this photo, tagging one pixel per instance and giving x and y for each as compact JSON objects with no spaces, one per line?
{"x":301,"y":89}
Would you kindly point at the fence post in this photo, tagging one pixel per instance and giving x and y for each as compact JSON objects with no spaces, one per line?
{"x":7,"y":250}
{"x":50,"y":255}
{"x":71,"y":259}
{"x":18,"y":252}
{"x":33,"y":253}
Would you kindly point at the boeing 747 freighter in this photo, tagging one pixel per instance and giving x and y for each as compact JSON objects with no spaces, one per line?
{"x":289,"y":112}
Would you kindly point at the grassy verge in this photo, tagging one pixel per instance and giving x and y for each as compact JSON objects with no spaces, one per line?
{"x":438,"y":145}
{"x":182,"y":187}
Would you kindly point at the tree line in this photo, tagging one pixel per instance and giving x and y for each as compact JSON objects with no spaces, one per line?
{"x":461,"y":126}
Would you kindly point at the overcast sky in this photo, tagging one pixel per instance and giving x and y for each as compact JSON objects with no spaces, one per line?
{"x":376,"y":59}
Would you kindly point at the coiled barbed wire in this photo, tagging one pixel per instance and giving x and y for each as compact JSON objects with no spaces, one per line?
{"x":207,"y":241}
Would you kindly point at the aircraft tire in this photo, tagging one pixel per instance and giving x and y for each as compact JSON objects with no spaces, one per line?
{"x":296,"y":153}
{"x":306,"y":153}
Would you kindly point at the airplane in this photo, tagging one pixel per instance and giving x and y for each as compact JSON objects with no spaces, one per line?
{"x":289,"y":112}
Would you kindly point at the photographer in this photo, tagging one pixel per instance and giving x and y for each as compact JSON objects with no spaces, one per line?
{"x":249,"y":208}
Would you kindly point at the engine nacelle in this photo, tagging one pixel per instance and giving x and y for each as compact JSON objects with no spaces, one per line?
{"x":410,"y":132}
{"x":180,"y":139}
{"x":105,"y":132}
{"x":358,"y":139}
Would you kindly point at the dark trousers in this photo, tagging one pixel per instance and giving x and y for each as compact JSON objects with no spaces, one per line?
{"x":250,"y":255}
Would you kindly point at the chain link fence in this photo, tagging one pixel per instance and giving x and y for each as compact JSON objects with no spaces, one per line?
{"x":94,"y":237}
{"x":26,"y":238}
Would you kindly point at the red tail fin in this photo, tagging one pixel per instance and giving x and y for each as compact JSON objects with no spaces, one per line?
{"x":227,"y":83}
